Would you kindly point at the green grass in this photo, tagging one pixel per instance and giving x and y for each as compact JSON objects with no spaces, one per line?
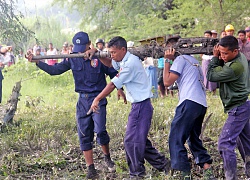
{"x":43,"y":143}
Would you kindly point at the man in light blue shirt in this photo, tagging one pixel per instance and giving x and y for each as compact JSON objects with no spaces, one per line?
{"x":133,"y":76}
{"x":138,"y":91}
{"x":189,"y":114}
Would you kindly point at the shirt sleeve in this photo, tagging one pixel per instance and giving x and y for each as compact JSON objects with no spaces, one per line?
{"x":56,"y":69}
{"x":124,"y":76}
{"x":178,"y":66}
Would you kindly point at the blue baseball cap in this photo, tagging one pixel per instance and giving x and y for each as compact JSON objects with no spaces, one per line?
{"x":80,"y":40}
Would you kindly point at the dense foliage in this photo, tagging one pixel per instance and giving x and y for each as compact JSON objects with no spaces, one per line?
{"x":146,"y":18}
{"x":13,"y":32}
{"x":47,"y":30}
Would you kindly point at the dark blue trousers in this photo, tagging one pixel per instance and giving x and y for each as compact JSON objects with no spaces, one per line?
{"x":186,"y":126}
{"x":1,"y":84}
{"x":137,"y":146}
{"x":87,"y":125}
{"x":235,"y":130}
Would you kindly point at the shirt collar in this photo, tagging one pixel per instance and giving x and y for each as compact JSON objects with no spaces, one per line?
{"x":125,"y":58}
{"x":236,"y":57}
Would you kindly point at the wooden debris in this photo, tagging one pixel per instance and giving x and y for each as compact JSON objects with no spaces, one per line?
{"x":9,"y":109}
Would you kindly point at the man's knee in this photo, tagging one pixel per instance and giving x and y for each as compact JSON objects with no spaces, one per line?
{"x":102,"y":137}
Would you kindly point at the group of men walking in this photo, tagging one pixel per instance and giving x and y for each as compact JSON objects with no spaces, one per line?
{"x":228,"y":67}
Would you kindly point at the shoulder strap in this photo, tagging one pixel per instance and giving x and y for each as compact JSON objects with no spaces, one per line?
{"x":197,"y":65}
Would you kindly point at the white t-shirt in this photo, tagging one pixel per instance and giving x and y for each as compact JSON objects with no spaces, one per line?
{"x":52,"y":52}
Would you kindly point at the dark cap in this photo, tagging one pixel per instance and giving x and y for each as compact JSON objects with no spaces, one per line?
{"x":80,"y":40}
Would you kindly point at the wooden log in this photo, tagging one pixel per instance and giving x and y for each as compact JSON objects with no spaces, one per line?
{"x":10,"y":108}
{"x":78,"y":55}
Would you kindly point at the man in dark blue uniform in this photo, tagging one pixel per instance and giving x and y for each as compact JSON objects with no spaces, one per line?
{"x":89,"y":76}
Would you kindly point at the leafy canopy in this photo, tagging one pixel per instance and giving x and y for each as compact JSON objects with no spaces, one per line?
{"x":11,"y":28}
{"x":147,"y":18}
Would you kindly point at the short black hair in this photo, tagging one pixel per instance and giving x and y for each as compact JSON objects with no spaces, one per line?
{"x":242,"y":31}
{"x":229,"y":42}
{"x":208,"y":32}
{"x":118,"y":42}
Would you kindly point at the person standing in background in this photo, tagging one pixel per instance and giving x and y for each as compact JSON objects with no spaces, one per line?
{"x":206,"y":59}
{"x":51,"y":51}
{"x":3,"y":51}
{"x":247,"y":29}
{"x":65,"y":49}
{"x":151,"y":74}
{"x":244,"y":45}
{"x":99,"y":43}
{"x":229,"y":29}
{"x":70,"y":48}
{"x":214,"y":34}
{"x":223,"y":34}
{"x":161,"y":86}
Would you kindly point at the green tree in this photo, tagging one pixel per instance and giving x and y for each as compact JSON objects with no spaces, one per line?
{"x":46,"y":29}
{"x":132,"y":19}
{"x":12,"y":30}
{"x":146,"y":18}
{"x":192,"y":18}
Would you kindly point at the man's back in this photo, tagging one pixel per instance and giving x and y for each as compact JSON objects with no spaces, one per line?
{"x":190,"y":81}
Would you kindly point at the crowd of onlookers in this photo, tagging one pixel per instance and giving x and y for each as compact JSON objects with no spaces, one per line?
{"x":51,"y":50}
{"x":38,"y":50}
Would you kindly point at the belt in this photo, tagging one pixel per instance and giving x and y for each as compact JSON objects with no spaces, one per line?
{"x":87,"y":95}
{"x":141,"y":101}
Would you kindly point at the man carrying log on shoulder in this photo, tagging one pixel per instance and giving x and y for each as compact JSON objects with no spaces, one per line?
{"x":229,"y":67}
